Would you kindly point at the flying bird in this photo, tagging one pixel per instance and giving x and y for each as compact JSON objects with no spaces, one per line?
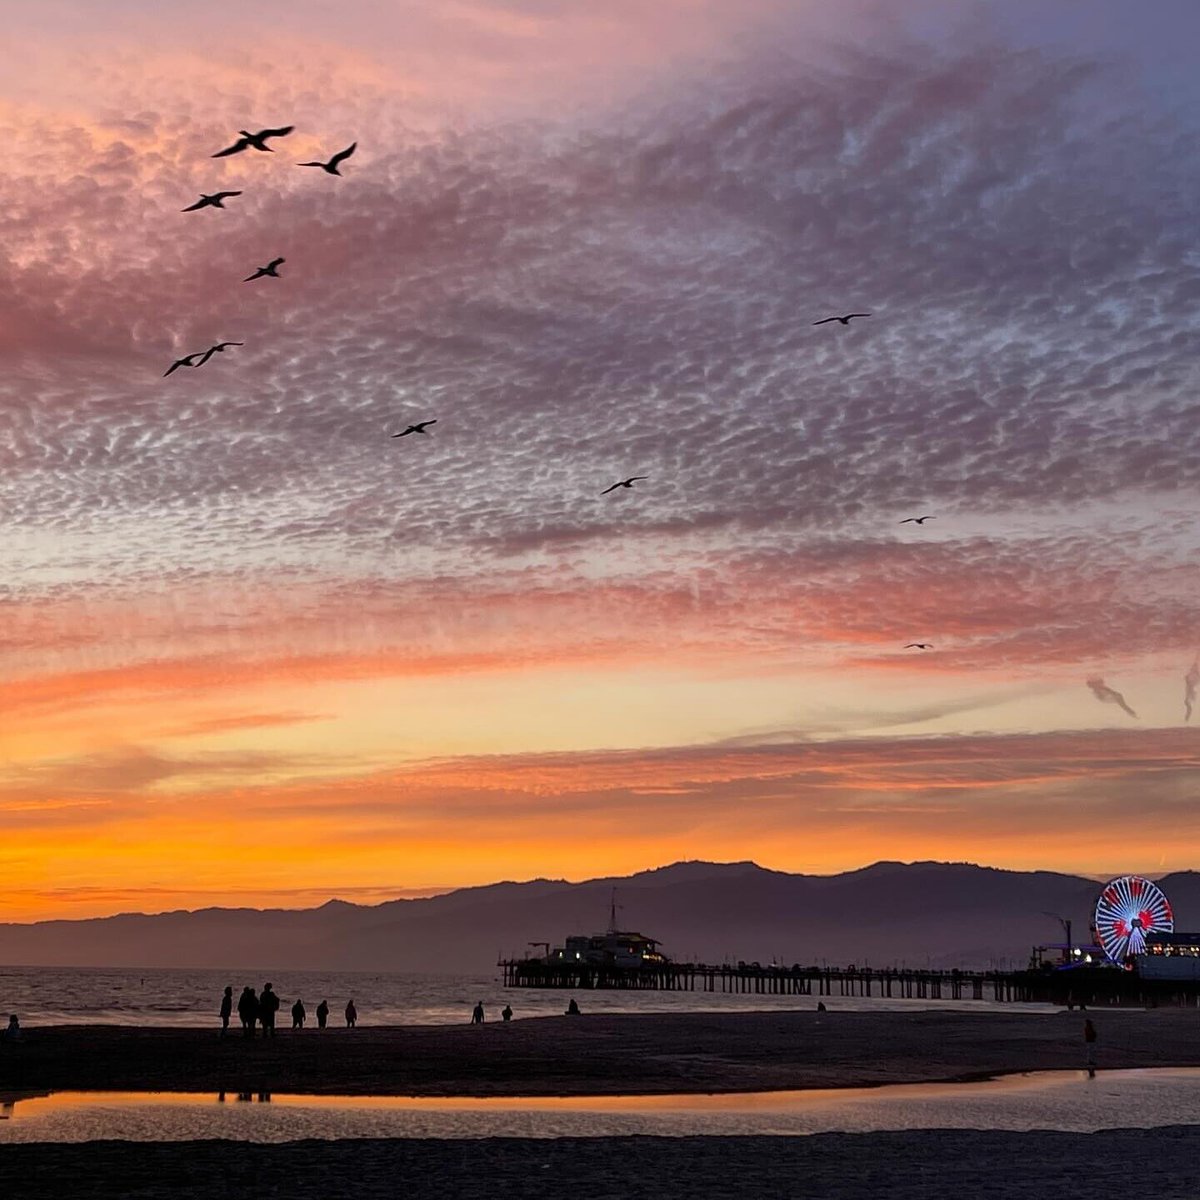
{"x":419,"y":427}
{"x":270,"y":269}
{"x":919,"y":646}
{"x":844,"y":320}
{"x":918,"y":520}
{"x":625,"y":483}
{"x":257,"y":140}
{"x":331,"y":167}
{"x":217,"y":349}
{"x":186,"y":361}
{"x":213,"y":201}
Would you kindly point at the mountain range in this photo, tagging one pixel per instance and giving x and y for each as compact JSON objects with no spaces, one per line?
{"x":919,"y":914}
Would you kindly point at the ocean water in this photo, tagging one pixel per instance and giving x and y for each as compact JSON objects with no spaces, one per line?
{"x":1063,"y":1100}
{"x":167,"y":996}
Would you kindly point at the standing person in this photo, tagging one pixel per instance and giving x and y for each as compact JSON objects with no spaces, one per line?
{"x":298,"y":1015}
{"x":477,"y":1014}
{"x":226,"y":1010}
{"x":13,"y":1032}
{"x":1089,"y":1041}
{"x":322,"y":1014}
{"x":506,"y":1012}
{"x":351,"y":1014}
{"x":248,"y":1011}
{"x":268,"y":1006}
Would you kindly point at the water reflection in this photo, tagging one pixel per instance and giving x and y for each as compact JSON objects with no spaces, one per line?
{"x":1064,"y":1100}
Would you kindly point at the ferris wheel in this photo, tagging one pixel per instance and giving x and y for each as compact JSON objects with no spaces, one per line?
{"x":1129,"y":908}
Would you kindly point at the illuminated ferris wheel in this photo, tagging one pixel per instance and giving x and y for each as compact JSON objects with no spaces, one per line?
{"x":1128,"y":909}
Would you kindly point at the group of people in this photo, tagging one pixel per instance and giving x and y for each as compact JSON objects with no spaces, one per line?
{"x":260,"y":1009}
{"x":506,"y":1013}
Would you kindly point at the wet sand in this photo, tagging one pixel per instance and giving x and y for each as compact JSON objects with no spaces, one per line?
{"x":631,"y":1054}
{"x":898,"y":1166}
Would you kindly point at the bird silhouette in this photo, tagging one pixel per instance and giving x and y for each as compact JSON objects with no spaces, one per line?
{"x":186,"y":361}
{"x":625,"y":483}
{"x":257,"y":140}
{"x":331,"y":167}
{"x":217,"y":349}
{"x":270,"y":269}
{"x":419,"y":427}
{"x":213,"y":201}
{"x":918,"y":520}
{"x":844,"y":320}
{"x":919,"y":646}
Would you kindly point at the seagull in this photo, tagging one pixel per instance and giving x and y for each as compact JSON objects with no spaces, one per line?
{"x":216,"y":350}
{"x":918,"y":520}
{"x":257,"y":140}
{"x":269,"y":269}
{"x":186,"y":361}
{"x":919,"y":646}
{"x":331,"y":167}
{"x":419,"y":427}
{"x":625,"y":483}
{"x":844,"y":320}
{"x":213,"y":201}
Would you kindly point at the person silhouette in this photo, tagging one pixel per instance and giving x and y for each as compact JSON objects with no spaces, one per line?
{"x":226,"y":1010}
{"x":351,"y":1014}
{"x":298,"y":1015}
{"x":322,"y":1014}
{"x":1089,"y":1041}
{"x":477,"y":1014}
{"x":268,"y":1006}
{"x":13,"y":1031}
{"x":572,"y":1008}
{"x":248,"y":1011}
{"x":506,"y":1013}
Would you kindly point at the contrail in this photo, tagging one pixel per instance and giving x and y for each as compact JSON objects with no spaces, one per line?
{"x":1107,"y":695}
{"x":1190,"y":681}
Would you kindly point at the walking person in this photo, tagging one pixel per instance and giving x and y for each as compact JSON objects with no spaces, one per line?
{"x":351,"y":1014}
{"x":322,"y":1014}
{"x":226,"y":1010}
{"x":268,"y":1006}
{"x":1089,"y":1041}
{"x":298,"y":1015}
{"x":477,"y":1014}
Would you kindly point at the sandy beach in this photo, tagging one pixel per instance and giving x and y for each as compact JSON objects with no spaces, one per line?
{"x":900,"y":1166}
{"x":684,"y":1052}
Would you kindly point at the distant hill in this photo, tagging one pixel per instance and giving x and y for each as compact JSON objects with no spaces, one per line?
{"x":940,"y":914}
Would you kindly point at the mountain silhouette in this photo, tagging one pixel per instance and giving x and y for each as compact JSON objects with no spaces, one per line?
{"x":918,"y":914}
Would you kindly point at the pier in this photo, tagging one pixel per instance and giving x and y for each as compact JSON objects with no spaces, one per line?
{"x":754,"y":979}
{"x":1095,"y":987}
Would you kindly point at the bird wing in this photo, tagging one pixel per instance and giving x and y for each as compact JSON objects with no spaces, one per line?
{"x":425,"y":423}
{"x":236,"y":148}
{"x":256,"y":274}
{"x":849,"y":315}
{"x":201,"y":203}
{"x":180,"y":362}
{"x":610,"y":489}
{"x":282,"y":131}
{"x":907,"y":519}
{"x":635,"y":478}
{"x":275,"y":262}
{"x":342,"y":155}
{"x":311,"y":164}
{"x":225,"y":195}
{"x":825,"y":321}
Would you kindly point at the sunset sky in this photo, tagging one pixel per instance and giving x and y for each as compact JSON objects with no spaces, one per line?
{"x":255,"y":651}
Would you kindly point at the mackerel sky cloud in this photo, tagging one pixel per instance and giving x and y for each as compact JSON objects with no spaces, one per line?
{"x":591,"y":245}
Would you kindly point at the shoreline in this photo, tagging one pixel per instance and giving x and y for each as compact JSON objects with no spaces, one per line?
{"x":644,"y":1054}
